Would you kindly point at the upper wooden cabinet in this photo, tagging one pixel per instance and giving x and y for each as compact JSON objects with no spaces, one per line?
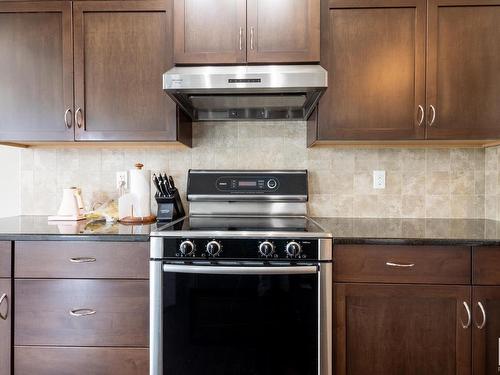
{"x":36,"y":71}
{"x":463,"y":69}
{"x":385,"y":84}
{"x":283,"y":30}
{"x":210,"y":31}
{"x":374,"y":52}
{"x":239,"y":31}
{"x":122,"y":49}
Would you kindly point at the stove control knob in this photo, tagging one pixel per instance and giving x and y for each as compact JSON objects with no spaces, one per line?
{"x":293,"y":249}
{"x":266,"y":249}
{"x":213,"y":248}
{"x":186,"y":248}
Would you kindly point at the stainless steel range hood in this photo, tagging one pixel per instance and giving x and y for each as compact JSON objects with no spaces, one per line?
{"x":231,"y":93}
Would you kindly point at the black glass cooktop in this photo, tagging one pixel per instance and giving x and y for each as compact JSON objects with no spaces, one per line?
{"x":239,"y":223}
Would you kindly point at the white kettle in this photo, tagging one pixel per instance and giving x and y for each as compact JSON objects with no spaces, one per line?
{"x":71,"y":207}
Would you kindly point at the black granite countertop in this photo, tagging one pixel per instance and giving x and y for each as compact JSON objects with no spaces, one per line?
{"x":38,"y":228}
{"x":472,"y":232}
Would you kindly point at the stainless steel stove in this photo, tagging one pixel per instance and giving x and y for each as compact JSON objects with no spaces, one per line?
{"x":243,"y":285}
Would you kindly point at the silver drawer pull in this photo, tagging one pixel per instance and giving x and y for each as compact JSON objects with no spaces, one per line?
{"x":82,"y":260}
{"x":6,"y":299}
{"x":402,"y":265}
{"x":81,"y":312}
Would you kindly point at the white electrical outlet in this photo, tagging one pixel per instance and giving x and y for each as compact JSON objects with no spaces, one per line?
{"x":379,"y":179}
{"x":121,"y":180}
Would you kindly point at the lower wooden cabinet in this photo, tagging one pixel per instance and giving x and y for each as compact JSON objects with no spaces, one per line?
{"x":72,"y":361}
{"x":383,"y":329}
{"x":5,"y":326}
{"x":486,"y":330}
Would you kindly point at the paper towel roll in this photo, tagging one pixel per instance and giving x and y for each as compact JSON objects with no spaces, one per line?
{"x":140,"y":188}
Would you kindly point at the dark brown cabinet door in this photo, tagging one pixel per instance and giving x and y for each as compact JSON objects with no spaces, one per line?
{"x":374,"y":51}
{"x":36,"y":71}
{"x":122,"y":49}
{"x":210,"y":31}
{"x":463,"y":71}
{"x":283,"y":31}
{"x":401,"y":329}
{"x":5,"y":325}
{"x":486,"y":332}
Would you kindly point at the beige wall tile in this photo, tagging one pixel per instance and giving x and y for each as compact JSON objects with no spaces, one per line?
{"x":413,"y":182}
{"x":438,"y":160}
{"x":413,"y":206}
{"x":437,"y":206}
{"x":462,"y":182}
{"x":437,"y":183}
{"x":366,"y":160}
{"x":366,"y":206}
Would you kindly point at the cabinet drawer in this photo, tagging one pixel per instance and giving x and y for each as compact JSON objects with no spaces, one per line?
{"x":82,"y":259}
{"x":78,"y":361}
{"x":402,"y":264}
{"x":486,"y":265}
{"x":5,"y":262}
{"x":112,"y":312}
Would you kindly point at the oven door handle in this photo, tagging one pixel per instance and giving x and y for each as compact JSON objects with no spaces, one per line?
{"x":238,"y":270}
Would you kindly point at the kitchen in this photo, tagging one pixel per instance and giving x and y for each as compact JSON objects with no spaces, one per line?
{"x":395,"y":162}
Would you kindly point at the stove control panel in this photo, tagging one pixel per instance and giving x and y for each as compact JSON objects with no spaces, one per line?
{"x":241,"y":248}
{"x":247,"y":185}
{"x":236,"y":184}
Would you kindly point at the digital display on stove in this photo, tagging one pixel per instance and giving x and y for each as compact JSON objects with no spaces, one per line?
{"x":247,"y":183}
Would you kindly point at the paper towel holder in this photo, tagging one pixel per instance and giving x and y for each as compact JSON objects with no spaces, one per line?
{"x":132,"y":219}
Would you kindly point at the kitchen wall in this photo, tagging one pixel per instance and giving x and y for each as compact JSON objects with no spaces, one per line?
{"x":492,"y":183}
{"x":420,"y":182}
{"x":9,"y":181}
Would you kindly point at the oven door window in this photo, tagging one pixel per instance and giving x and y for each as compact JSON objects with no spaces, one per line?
{"x":240,"y":324}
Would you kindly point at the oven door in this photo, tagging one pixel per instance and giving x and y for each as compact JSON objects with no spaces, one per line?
{"x":241,"y":320}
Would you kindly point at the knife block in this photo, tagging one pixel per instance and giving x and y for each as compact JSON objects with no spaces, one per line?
{"x":169,"y":208}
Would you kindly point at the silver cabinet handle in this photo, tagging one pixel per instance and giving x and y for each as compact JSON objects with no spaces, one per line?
{"x":238,"y":270}
{"x":251,"y":37}
{"x":421,"y":115}
{"x":6,"y":299}
{"x":402,"y":265}
{"x":483,"y":311}
{"x":82,"y":260}
{"x":81,"y":312}
{"x":241,"y":38}
{"x":78,"y":117}
{"x":469,"y":316}
{"x":66,"y":121}
{"x":433,"y":118}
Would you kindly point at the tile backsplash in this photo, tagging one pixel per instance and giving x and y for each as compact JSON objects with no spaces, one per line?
{"x":492,"y":183}
{"x":420,"y":183}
